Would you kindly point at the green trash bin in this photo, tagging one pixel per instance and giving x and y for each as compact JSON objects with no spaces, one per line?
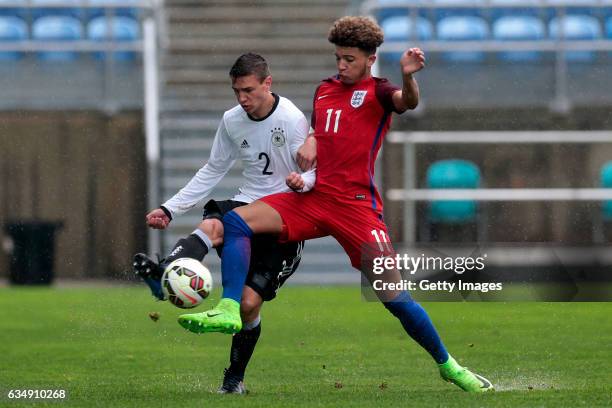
{"x":453,"y":173}
{"x":31,"y":251}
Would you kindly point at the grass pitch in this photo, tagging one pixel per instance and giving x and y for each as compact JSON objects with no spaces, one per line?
{"x":319,"y":347}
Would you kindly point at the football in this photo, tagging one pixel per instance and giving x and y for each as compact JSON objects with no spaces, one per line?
{"x":186,"y":282}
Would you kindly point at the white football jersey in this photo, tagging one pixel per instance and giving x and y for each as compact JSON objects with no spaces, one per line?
{"x":267,"y":147}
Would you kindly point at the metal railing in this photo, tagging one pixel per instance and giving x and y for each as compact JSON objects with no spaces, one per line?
{"x":148,"y":13}
{"x":409,"y":194}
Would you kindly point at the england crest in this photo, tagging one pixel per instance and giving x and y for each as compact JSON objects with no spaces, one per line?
{"x":358,"y":98}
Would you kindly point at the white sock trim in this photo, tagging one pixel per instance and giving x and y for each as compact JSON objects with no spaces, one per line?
{"x":253,"y":324}
{"x":203,"y":237}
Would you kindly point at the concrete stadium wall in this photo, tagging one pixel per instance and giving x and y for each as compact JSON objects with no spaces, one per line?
{"x":85,"y":170}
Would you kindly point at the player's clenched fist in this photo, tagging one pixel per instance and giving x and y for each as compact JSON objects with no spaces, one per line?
{"x":157,"y":219}
{"x":412,"y":61}
{"x":295,"y":181}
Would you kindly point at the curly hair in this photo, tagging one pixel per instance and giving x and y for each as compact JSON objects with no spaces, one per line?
{"x":361,"y":32}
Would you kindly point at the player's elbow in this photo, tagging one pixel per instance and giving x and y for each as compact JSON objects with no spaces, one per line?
{"x":411,"y":103}
{"x":407,"y":104}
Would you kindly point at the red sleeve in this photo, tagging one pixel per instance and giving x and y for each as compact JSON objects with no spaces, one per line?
{"x":313,"y":116}
{"x":384,"y":94}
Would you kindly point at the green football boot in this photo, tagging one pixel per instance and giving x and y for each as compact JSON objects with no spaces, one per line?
{"x":468,"y":381}
{"x":225,"y":318}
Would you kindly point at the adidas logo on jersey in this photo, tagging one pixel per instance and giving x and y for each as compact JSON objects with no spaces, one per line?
{"x":244,"y":144}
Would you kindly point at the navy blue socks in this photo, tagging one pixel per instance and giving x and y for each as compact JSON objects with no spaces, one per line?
{"x":236,"y":255}
{"x":418,"y":325}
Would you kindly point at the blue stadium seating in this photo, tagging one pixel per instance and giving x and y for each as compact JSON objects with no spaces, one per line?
{"x":124,"y":11}
{"x":12,"y":29}
{"x":519,"y":28}
{"x":66,"y":10}
{"x":576,"y":27}
{"x":448,"y":8}
{"x":401,"y":29}
{"x":516,"y":3}
{"x":57,"y":28}
{"x":453,"y":174}
{"x":606,"y":182}
{"x":504,"y":8}
{"x":609,"y":27}
{"x":570,"y":7}
{"x":466,"y":28}
{"x":393,"y":8}
{"x":121,"y":29}
{"x":12,"y":11}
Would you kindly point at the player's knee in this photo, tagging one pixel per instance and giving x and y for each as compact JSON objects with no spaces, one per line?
{"x":235,"y":225}
{"x":213,"y":228}
{"x":249,"y":307}
{"x":258,"y":217}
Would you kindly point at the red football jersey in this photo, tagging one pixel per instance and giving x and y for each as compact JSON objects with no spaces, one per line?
{"x":350,"y":122}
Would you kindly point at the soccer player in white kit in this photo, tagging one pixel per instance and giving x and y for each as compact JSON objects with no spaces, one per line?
{"x":264,"y":131}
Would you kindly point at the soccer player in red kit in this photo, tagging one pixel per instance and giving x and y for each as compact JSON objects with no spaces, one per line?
{"x":351,"y":115}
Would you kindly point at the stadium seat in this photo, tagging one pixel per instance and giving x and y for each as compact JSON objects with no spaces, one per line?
{"x":126,"y":8}
{"x":57,"y":28}
{"x":569,"y":3}
{"x":607,"y":11}
{"x":12,"y":29}
{"x":402,"y":29}
{"x":570,"y":7}
{"x":70,"y":8}
{"x":450,"y":220}
{"x":467,"y":28}
{"x":453,"y":174}
{"x":515,"y":3}
{"x":7,"y":8}
{"x":451,"y":8}
{"x":576,"y":27}
{"x":392,"y":8}
{"x":121,"y":29}
{"x":519,"y":28}
{"x":502,"y":8}
{"x":606,"y":182}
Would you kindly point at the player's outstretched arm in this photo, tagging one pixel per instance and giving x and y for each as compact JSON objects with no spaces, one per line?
{"x":222,"y":157}
{"x":411,"y":61}
{"x":157,"y":219}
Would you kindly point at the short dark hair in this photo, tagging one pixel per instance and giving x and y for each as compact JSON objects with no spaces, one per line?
{"x":361,"y":32}
{"x":250,"y":64}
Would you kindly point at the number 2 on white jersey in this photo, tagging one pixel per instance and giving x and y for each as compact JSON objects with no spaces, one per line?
{"x":329,"y":116}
